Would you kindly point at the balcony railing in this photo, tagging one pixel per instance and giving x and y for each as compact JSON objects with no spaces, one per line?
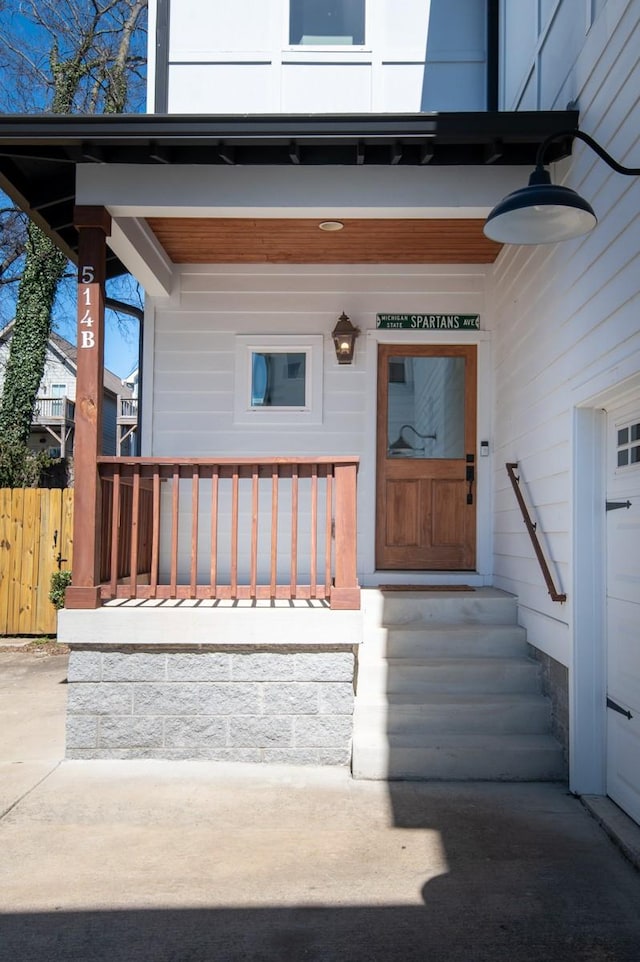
{"x":127,"y":409}
{"x":230,"y":529}
{"x":53,"y":410}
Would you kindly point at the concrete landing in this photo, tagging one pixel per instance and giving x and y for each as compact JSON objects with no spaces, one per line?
{"x":200,"y":862}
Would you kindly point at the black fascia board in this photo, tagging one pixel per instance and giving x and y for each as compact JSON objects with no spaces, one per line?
{"x":38,"y":154}
{"x":136,"y":130}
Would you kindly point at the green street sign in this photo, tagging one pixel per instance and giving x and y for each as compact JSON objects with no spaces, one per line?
{"x":428,"y":322}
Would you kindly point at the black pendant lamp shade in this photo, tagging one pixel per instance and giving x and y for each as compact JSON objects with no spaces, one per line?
{"x":542,"y":213}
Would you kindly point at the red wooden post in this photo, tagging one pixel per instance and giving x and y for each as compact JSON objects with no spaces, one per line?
{"x":94,"y":226}
{"x":345,"y":592}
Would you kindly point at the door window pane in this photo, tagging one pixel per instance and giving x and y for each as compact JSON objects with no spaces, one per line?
{"x":425,"y":412}
{"x":278,"y":379}
{"x":326,"y":22}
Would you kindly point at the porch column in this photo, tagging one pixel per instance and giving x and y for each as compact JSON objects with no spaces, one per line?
{"x":94,"y":226}
{"x":345,"y":592}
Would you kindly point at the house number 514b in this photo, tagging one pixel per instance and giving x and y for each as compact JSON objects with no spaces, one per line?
{"x":85,"y":301}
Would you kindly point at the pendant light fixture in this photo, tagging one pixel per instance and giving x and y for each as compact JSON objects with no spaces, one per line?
{"x":544,"y":213}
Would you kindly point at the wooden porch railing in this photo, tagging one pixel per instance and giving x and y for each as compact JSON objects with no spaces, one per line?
{"x":231,"y":528}
{"x":53,"y":409}
{"x":531,"y":528}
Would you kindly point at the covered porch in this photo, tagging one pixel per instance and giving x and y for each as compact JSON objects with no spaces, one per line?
{"x":216,"y":606}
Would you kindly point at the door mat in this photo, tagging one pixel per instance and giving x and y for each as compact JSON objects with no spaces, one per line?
{"x":426,"y":588}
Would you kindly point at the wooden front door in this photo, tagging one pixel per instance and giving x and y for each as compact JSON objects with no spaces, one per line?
{"x":426,"y":461}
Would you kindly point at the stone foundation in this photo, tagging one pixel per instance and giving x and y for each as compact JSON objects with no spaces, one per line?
{"x":555,"y":685}
{"x":292,"y":706}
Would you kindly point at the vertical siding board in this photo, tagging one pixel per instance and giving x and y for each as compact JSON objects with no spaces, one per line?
{"x":66,"y":542}
{"x":26,"y":585}
{"x":44,"y":621}
{"x":17,"y":524}
{"x":5,"y":557}
{"x":52,"y":541}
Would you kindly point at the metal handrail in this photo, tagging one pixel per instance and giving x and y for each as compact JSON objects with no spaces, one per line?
{"x":531,"y":528}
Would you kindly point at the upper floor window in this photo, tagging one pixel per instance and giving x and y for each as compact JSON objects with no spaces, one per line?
{"x":326,"y":22}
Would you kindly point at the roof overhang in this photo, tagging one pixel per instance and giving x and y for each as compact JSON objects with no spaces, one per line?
{"x":39,"y":155}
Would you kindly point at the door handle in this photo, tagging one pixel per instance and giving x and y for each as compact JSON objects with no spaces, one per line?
{"x":470,"y":477}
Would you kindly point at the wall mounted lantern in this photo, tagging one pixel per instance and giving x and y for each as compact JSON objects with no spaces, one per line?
{"x":544,"y":213}
{"x":344,"y":337}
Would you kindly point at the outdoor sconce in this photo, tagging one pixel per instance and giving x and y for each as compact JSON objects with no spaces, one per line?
{"x":344,"y":337}
{"x":544,"y":213}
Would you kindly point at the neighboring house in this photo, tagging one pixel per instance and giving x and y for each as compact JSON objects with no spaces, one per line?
{"x":128,"y":415}
{"x":227,"y":600}
{"x":52,"y":430}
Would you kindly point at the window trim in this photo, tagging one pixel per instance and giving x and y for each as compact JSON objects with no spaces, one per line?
{"x":311,"y":345}
{"x":630,"y":445}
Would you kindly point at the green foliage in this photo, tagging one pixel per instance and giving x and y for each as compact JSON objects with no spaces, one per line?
{"x":93,"y":51}
{"x":20,"y":467}
{"x":44,"y":266}
{"x":60,"y":580}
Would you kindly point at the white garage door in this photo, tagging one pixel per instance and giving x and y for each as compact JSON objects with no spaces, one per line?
{"x":623,"y":607}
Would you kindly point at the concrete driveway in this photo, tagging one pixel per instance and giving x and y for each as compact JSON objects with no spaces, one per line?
{"x":201,"y":862}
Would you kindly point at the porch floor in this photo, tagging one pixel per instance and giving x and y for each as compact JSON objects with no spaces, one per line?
{"x":215,"y":603}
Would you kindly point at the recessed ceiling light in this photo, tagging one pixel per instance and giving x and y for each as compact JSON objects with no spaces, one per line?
{"x":331,"y":225}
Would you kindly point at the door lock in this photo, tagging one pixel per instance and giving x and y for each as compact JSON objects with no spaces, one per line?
{"x":470,"y":476}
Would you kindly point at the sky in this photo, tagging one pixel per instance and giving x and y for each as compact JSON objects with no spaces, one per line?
{"x":121,"y":331}
{"x":121,"y":336}
{"x":121,"y":353}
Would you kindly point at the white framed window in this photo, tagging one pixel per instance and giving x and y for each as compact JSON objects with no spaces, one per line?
{"x":327,"y":23}
{"x":628,"y":444}
{"x":57,"y":391}
{"x":278,"y":379}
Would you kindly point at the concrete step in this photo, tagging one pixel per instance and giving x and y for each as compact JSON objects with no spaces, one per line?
{"x":446,"y":690}
{"x":484,"y":606}
{"x":458,"y":640}
{"x":447,"y":675}
{"x":459,"y":757}
{"x":455,"y":714}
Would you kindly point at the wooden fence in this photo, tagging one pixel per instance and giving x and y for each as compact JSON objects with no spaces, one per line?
{"x":36,"y":539}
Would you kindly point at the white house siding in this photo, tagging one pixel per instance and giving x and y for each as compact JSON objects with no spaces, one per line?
{"x":236,"y":58}
{"x":59,"y":370}
{"x":566,"y":318}
{"x":192,"y":340}
{"x":56,"y":371}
